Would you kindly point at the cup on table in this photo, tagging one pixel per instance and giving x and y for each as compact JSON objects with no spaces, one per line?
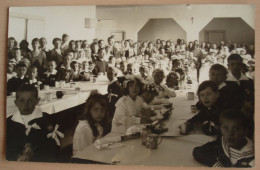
{"x":72,"y":85}
{"x":13,"y":94}
{"x":57,"y":84}
{"x":46,"y":87}
{"x":60,"y":94}
{"x":49,"y":96}
{"x":194,"y":109}
{"x":94,"y":79}
{"x":145,"y":132}
{"x":77,"y":89}
{"x":153,"y":140}
{"x":62,"y":84}
{"x":191,"y":95}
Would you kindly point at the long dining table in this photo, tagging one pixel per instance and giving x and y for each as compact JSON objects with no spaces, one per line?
{"x":174,"y":150}
{"x":71,"y":98}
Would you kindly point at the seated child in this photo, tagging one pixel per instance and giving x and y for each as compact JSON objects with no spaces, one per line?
{"x":49,"y":77}
{"x":129,"y":69}
{"x":208,"y":115}
{"x":33,"y":76}
{"x":28,"y":130}
{"x":232,"y":148}
{"x":74,"y":65}
{"x":114,"y":90}
{"x":92,"y":124}
{"x":14,"y":83}
{"x":172,"y":80}
{"x":164,"y":91}
{"x":85,"y":72}
{"x":100,"y":64}
{"x":111,"y":61}
{"x":128,"y":107}
{"x":65,"y":72}
{"x":228,"y":90}
{"x":144,"y":75}
{"x":246,"y":85}
{"x":10,"y":71}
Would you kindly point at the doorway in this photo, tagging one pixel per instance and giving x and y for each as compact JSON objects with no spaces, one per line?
{"x":214,"y":36}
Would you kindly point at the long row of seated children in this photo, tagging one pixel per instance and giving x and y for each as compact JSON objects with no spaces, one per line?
{"x":230,"y":89}
{"x":226,"y":109}
{"x":151,"y":53}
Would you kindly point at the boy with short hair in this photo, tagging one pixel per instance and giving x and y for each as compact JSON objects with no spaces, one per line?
{"x":232,"y":148}
{"x":14,"y":83}
{"x":246,"y":85}
{"x":229,"y":93}
{"x":101,"y":64}
{"x":208,"y":115}
{"x":114,"y":90}
{"x":29,"y":131}
{"x":65,"y":72}
{"x":49,"y":77}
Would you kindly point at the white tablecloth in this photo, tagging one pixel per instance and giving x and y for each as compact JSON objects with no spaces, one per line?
{"x":175,"y":149}
{"x":69,"y":100}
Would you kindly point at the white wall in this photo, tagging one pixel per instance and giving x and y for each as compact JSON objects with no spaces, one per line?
{"x":63,"y":19}
{"x":132,"y":18}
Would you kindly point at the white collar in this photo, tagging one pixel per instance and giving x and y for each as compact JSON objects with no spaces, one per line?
{"x":245,"y":152}
{"x":17,"y":117}
{"x":33,"y":81}
{"x":230,"y":77}
{"x":223,"y":84}
{"x":20,"y":77}
{"x":62,"y":66}
{"x":111,"y":82}
{"x":53,"y":72}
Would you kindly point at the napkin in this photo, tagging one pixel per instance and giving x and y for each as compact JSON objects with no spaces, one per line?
{"x":105,"y":142}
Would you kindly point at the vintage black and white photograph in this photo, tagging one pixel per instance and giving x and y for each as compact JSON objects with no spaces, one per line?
{"x":149,"y":85}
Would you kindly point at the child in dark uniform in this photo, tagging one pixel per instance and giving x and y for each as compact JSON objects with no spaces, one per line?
{"x":228,"y":91}
{"x":232,"y":148}
{"x":14,"y":83}
{"x":100,"y":64}
{"x":114,"y":90}
{"x":49,"y":77}
{"x":65,"y":72}
{"x":208,"y":115}
{"x":30,"y":134}
{"x":33,"y":76}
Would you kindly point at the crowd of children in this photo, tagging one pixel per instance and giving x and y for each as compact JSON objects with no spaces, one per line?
{"x":141,"y":76}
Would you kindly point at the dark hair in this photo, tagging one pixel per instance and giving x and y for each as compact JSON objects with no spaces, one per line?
{"x":219,"y":67}
{"x":55,"y":39}
{"x":99,"y":41}
{"x":109,"y":38}
{"x":64,"y":36}
{"x":21,"y":64}
{"x":100,"y":49}
{"x":206,"y":84}
{"x":234,"y":114}
{"x":36,"y":40}
{"x":27,"y":88}
{"x":135,"y":79}
{"x":72,"y":64}
{"x":67,"y":52}
{"x":92,"y":99}
{"x":43,"y":38}
{"x":24,"y":42}
{"x":235,"y":57}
